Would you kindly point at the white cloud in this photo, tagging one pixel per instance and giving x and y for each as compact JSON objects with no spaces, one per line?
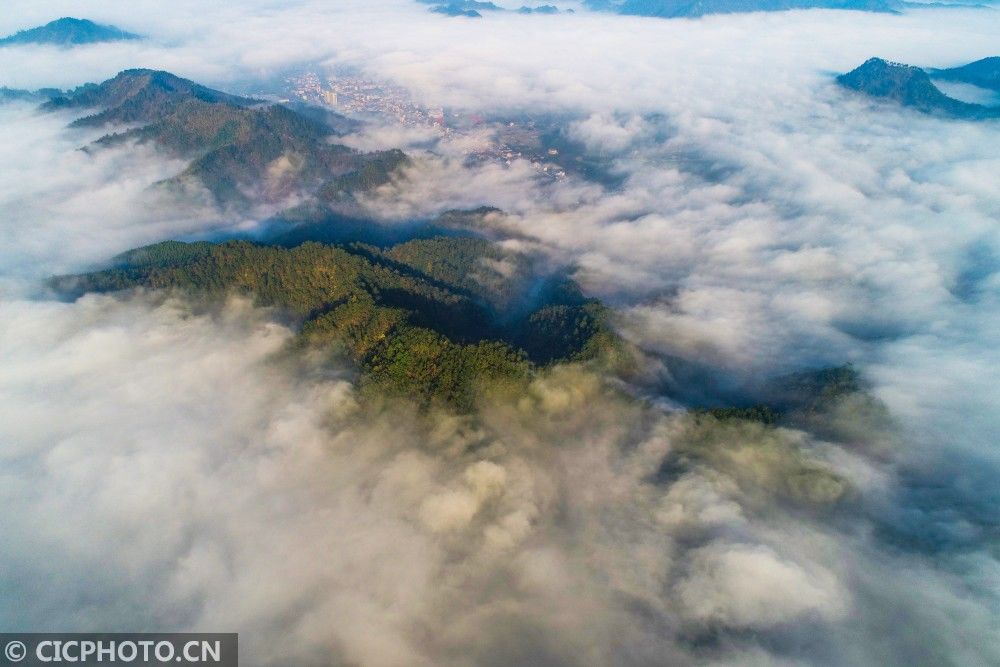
{"x":768,"y":222}
{"x":752,"y":587}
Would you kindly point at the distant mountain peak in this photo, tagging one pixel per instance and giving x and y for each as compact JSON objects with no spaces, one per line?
{"x":984,"y":73}
{"x":242,"y":150}
{"x":910,"y":86}
{"x":694,"y":8}
{"x":473,"y":8}
{"x":468,"y":8}
{"x":138,"y":95}
{"x":68,"y":31}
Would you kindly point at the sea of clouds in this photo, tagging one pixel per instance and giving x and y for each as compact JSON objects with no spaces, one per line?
{"x":167,"y":468}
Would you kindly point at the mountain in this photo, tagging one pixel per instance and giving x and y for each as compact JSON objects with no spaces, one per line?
{"x":984,"y":73}
{"x":68,"y":32}
{"x":695,"y":8}
{"x":473,"y":8}
{"x":541,"y":9}
{"x":139,"y":96}
{"x":243,"y":150}
{"x":456,"y":9}
{"x":17,"y":95}
{"x":437,"y":320}
{"x":470,"y":8}
{"x":911,"y":87}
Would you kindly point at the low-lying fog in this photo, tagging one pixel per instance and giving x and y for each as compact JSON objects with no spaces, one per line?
{"x":164,"y":470}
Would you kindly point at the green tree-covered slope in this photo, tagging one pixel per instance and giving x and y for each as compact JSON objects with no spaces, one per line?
{"x":414,"y":317}
{"x":241,"y":149}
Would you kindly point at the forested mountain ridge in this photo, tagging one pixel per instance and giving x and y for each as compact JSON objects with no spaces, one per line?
{"x":911,"y":87}
{"x":984,"y":73}
{"x":242,"y":150}
{"x":432,"y":319}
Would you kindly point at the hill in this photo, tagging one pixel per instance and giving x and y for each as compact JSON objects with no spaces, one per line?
{"x":473,"y":8}
{"x":695,"y":8}
{"x":243,"y":150}
{"x":911,"y":87}
{"x":138,"y":96}
{"x":69,"y":32}
{"x":18,"y":95}
{"x":541,"y":9}
{"x":438,"y":320}
{"x":984,"y":73}
{"x":468,"y":8}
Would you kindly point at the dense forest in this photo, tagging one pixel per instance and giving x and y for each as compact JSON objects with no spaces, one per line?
{"x":440,"y":320}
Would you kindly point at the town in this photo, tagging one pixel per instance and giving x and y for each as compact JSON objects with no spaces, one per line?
{"x":362,"y":98}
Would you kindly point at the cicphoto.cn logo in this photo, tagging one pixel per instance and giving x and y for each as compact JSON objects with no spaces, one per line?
{"x":136,"y":649}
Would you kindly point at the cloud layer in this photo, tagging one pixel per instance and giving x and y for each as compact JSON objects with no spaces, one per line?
{"x":176,"y":471}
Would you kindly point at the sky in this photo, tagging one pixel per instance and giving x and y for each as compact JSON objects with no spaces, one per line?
{"x":767,"y":222}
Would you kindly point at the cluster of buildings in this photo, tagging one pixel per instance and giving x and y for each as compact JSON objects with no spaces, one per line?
{"x":355,"y":96}
{"x":360,"y":97}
